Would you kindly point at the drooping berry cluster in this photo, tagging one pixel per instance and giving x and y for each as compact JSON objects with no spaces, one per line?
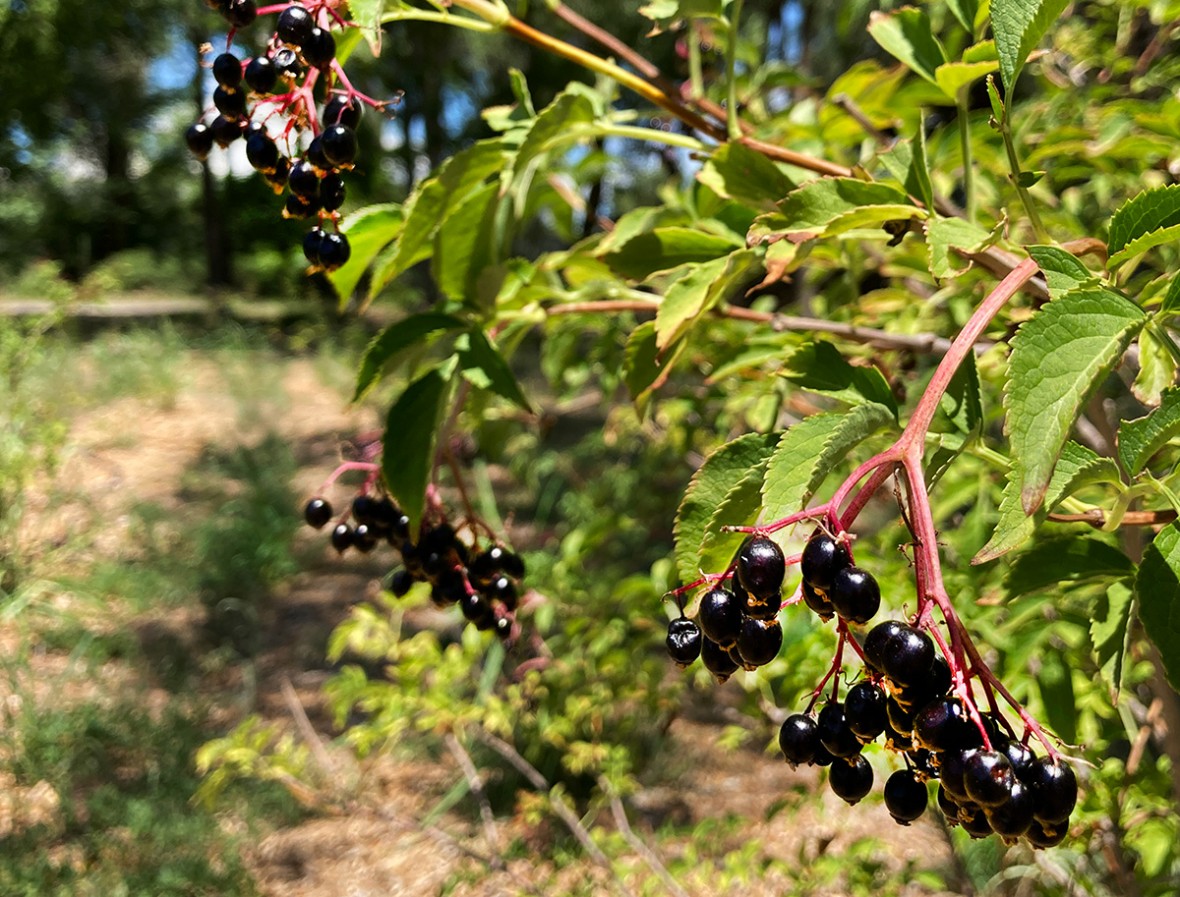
{"x":485,"y":584}
{"x":296,"y":111}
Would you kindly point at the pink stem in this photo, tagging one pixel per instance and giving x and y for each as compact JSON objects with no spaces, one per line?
{"x":372,"y":469}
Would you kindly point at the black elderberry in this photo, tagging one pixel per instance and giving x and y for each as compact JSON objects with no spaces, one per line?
{"x":399,"y":530}
{"x":922,"y":761}
{"x":864,"y":710}
{"x":199,"y":140}
{"x":239,"y":13}
{"x":286,"y":63}
{"x":817,"y":601}
{"x":1019,"y":755}
{"x":798,"y":738}
{"x":988,"y":778}
{"x":400,"y":583}
{"x":342,"y":537}
{"x":1041,"y":835}
{"x":476,"y":608}
{"x":877,"y":641}
{"x":908,"y":657}
{"x":294,"y":25}
{"x":1012,"y":818}
{"x":226,"y":130}
{"x":683,"y":641}
{"x":311,"y":246}
{"x":974,"y":821}
{"x":905,"y":796}
{"x":934,"y":685}
{"x":823,"y":557}
{"x":898,"y":716}
{"x":364,"y":538}
{"x":315,"y":154}
{"x":339,"y":143}
{"x":759,"y":641}
{"x":303,"y":180}
{"x":340,"y":110}
{"x":503,"y":589}
{"x":761,"y":567}
{"x":717,"y":660}
{"x":503,"y":628}
{"x":855,"y":595}
{"x":949,"y":807}
{"x":944,"y":725}
{"x":320,"y":48}
{"x":261,"y":75}
{"x":762,"y":609}
{"x":262,"y":152}
{"x":1054,"y":788}
{"x":317,"y":512}
{"x":230,"y":103}
{"x":897,"y":739}
{"x":851,"y":778}
{"x":278,"y":178}
{"x":298,"y":207}
{"x":834,"y":733}
{"x":510,"y":562}
{"x":952,"y":766}
{"x":227,"y":71}
{"x":720,"y":615}
{"x":334,"y":251}
{"x":331,"y":192}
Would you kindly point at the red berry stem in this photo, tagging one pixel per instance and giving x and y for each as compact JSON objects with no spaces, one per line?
{"x":372,"y":469}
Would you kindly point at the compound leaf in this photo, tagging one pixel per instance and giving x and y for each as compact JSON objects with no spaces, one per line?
{"x":1139,"y":439}
{"x":906,"y":34}
{"x":944,"y":236}
{"x":739,"y":508}
{"x":1063,"y":271}
{"x":1145,"y":242}
{"x":484,"y":367}
{"x":1068,"y":559}
{"x":464,"y":244}
{"x":1019,"y":26}
{"x":1058,"y":358}
{"x":1055,"y":681}
{"x":1157,"y":590}
{"x":819,"y":366}
{"x":1141,"y":219}
{"x":722,"y":470}
{"x":693,"y":294}
{"x":1110,"y":632}
{"x":817,"y":203}
{"x":664,"y":248}
{"x":644,"y":370}
{"x":737,"y":172}
{"x":1157,"y":368}
{"x":394,"y":340}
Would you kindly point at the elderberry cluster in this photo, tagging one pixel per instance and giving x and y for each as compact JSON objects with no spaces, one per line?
{"x":484,"y":584}
{"x":281,"y":86}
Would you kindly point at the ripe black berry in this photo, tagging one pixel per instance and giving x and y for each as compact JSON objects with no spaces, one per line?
{"x":683,"y":641}
{"x":877,"y":641}
{"x":364,"y":538}
{"x":227,"y":71}
{"x":1012,"y":818}
{"x":320,"y":48}
{"x":239,"y":13}
{"x":1019,"y":755}
{"x":294,"y":25}
{"x":303,"y":180}
{"x":798,"y":738}
{"x":401,"y":582}
{"x":476,"y":608}
{"x":988,"y":778}
{"x":720,"y":616}
{"x":502,"y":589}
{"x":944,"y":725}
{"x":952,"y":766}
{"x":908,"y":657}
{"x":340,"y":110}
{"x":226,"y":130}
{"x":261,"y":75}
{"x":262,"y":152}
{"x":199,"y":139}
{"x":342,"y":537}
{"x":759,"y":641}
{"x":949,"y":807}
{"x":315,"y":154}
{"x":298,"y":207}
{"x":1054,"y":788}
{"x":935,"y":684}
{"x":334,"y":251}
{"x":331,"y":192}
{"x":834,"y":733}
{"x":317,"y":512}
{"x":286,"y":63}
{"x":905,"y":796}
{"x":823,"y":558}
{"x":339,"y":143}
{"x":230,"y":103}
{"x":974,"y":821}
{"x":817,"y":601}
{"x":864,"y":710}
{"x":855,"y":595}
{"x":1041,"y":835}
{"x":761,"y":567}
{"x":717,"y":660}
{"x":851,"y":778}
{"x":311,"y":246}
{"x":278,"y":178}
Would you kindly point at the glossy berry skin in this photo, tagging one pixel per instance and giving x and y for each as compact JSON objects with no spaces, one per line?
{"x":974,"y":821}
{"x":877,"y":642}
{"x":952,"y":766}
{"x":817,"y":601}
{"x":798,"y":739}
{"x":834,"y":733}
{"x":988,"y":778}
{"x":1019,"y":755}
{"x":287,"y":63}
{"x":864,"y":710}
{"x":476,"y":608}
{"x":262,"y":152}
{"x":400,"y":583}
{"x":502,"y":589}
{"x":1055,"y":789}
{"x":334,"y":251}
{"x":340,"y":110}
{"x":311,"y":246}
{"x":294,"y":25}
{"x":315,"y":154}
{"x":761,"y":567}
{"x":949,"y":807}
{"x":935,"y":684}
{"x":298,"y":207}
{"x":227,"y":71}
{"x":944,"y":725}
{"x":683,"y":641}
{"x":1012,"y":818}
{"x":851,"y":778}
{"x":332,"y":192}
{"x":823,"y":557}
{"x":364,"y":538}
{"x":225,"y":130}
{"x":855,"y":595}
{"x":339,"y":143}
{"x":342,"y":537}
{"x":230,"y":103}
{"x":759,"y":641}
{"x":905,"y":796}
{"x":261,"y":75}
{"x":303,"y":180}
{"x":1041,"y":836}
{"x":320,"y":48}
{"x":908,"y":657}
{"x":239,"y":13}
{"x":199,"y":140}
{"x":717,"y":660}
{"x":720,"y":616}
{"x":317,"y":512}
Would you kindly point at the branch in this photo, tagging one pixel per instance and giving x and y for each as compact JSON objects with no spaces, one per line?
{"x":619,"y":812}
{"x":1097,"y":518}
{"x":475,"y":782}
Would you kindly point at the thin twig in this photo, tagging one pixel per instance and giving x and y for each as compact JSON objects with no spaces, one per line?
{"x":1096,"y":518}
{"x":475,"y":782}
{"x":619,"y":812}
{"x":329,"y":766}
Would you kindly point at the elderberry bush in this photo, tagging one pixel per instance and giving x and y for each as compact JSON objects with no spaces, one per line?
{"x":297,"y":113}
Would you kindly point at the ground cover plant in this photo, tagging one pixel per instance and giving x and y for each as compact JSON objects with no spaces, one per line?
{"x":906,"y":326}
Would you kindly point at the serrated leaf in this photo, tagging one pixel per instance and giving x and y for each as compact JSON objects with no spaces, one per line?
{"x":1058,"y":358}
{"x":1018,"y":26}
{"x":573,"y":106}
{"x":722,"y":470}
{"x":1157,"y":369}
{"x":1145,"y":242}
{"x":1157,"y":590}
{"x":819,"y":366}
{"x":1068,"y":559}
{"x":1110,"y":633}
{"x":944,"y":236}
{"x":411,"y":433}
{"x":1171,"y":303}
{"x":965,"y":11}
{"x":739,"y":508}
{"x":869,"y":221}
{"x":395,"y":339}
{"x":917,"y":180}
{"x":665,"y":248}
{"x":1141,"y":216}
{"x":464,"y":244}
{"x":962,"y":403}
{"x":906,"y":35}
{"x":693,"y":294}
{"x":483,"y":366}
{"x":808,"y":451}
{"x":736,"y":172}
{"x":644,"y":370}
{"x":369,"y":230}
{"x":1063,"y":271}
{"x":367,"y":15}
{"x":1077,"y":467}
{"x":1055,"y":681}
{"x":1139,"y":439}
{"x":817,"y":203}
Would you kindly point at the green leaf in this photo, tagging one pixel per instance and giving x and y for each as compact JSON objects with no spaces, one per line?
{"x":1066,"y":559}
{"x":687,"y":298}
{"x":722,"y":470}
{"x":1139,"y":439}
{"x":464,"y":244}
{"x":395,"y":339}
{"x":1157,"y":368}
{"x":1055,"y":680}
{"x":1157,"y":590}
{"x":1077,"y":467}
{"x":1058,"y":358}
{"x":644,"y":370}
{"x":739,"y":508}
{"x":369,"y":230}
{"x":962,"y":403}
{"x":1110,"y":633}
{"x":965,"y":11}
{"x":819,"y":366}
{"x":917,"y":180}
{"x":1137,"y":224}
{"x":736,"y":172}
{"x":808,"y":451}
{"x":817,"y":203}
{"x":485,"y":368}
{"x":907,"y":35}
{"x":1063,"y":271}
{"x":1171,"y":303}
{"x":411,"y":432}
{"x":664,"y":248}
{"x":1018,"y":26}
{"x":954,"y":76}
{"x":944,"y":236}
{"x":367,"y":14}
{"x":573,"y":106}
